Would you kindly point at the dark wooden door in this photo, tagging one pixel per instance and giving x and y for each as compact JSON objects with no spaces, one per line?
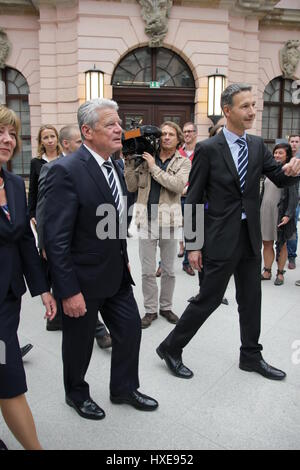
{"x":155,"y":106}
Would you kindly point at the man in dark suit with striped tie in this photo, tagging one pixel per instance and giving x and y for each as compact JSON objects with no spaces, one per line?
{"x":84,"y":211}
{"x":227,"y":168}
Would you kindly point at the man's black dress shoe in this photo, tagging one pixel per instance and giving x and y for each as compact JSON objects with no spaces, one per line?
{"x":174,"y":364}
{"x":2,"y":445}
{"x":87,"y":409}
{"x":104,"y":341}
{"x":137,"y":400}
{"x":25,"y":349}
{"x":262,"y":368}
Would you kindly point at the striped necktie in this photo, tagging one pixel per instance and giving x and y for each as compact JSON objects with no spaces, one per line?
{"x":242,"y":161}
{"x":113,"y":186}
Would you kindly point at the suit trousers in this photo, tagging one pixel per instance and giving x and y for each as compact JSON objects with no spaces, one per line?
{"x":147,"y":251}
{"x":121,"y":315}
{"x":245,"y":266}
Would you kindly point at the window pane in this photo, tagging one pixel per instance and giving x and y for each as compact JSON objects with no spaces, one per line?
{"x":143,"y":57}
{"x":272,"y":91}
{"x":143,"y":77}
{"x":123,"y":77}
{"x":291,"y":120}
{"x":164,"y":78}
{"x":12,"y":89}
{"x":16,"y":84}
{"x":129,"y":118}
{"x":14,"y":104}
{"x":24,"y":89}
{"x":17,"y":164}
{"x":175,"y":119}
{"x":136,"y":69}
{"x":270,"y":119}
{"x":164,"y":57}
{"x":11,"y":74}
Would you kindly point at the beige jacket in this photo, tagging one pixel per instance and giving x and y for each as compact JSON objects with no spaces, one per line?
{"x":172,"y":182}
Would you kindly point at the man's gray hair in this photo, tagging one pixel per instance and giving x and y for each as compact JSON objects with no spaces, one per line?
{"x":88,"y":112}
{"x":66,"y":133}
{"x":233,"y":89}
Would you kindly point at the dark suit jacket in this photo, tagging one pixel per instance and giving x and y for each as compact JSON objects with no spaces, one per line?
{"x":18,"y":253}
{"x":214,"y":174}
{"x":79,"y":260}
{"x":39,"y":213}
{"x":35,"y":168}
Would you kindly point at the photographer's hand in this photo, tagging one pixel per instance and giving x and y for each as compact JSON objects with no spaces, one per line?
{"x":149,"y":159}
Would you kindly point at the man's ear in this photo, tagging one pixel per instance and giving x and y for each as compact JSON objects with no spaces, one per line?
{"x":65,"y":144}
{"x":226,"y":110}
{"x":87,"y":131}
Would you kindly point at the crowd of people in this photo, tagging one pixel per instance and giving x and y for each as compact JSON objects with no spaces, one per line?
{"x":78,"y":214}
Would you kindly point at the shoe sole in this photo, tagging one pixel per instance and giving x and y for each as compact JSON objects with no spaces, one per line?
{"x":121,"y":401}
{"x":94,"y":418}
{"x":248,"y":369}
{"x":147,"y":326}
{"x":170,"y":321}
{"x":23,"y":354}
{"x":174,"y":373}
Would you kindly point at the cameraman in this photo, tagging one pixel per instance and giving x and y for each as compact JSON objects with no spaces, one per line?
{"x":159,"y":180}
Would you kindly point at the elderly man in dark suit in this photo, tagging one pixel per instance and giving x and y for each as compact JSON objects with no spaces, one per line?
{"x":228,"y":168}
{"x":70,"y":140}
{"x":89,"y":265}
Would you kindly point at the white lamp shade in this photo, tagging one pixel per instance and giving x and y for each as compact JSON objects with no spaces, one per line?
{"x":216,"y":84}
{"x":94,"y":84}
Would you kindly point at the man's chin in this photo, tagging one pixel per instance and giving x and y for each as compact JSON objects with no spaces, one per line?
{"x":248,"y":124}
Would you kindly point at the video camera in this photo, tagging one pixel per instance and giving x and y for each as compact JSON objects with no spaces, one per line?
{"x":140,"y":139}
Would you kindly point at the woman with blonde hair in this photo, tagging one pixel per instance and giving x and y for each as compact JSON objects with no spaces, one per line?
{"x":19,"y":259}
{"x":48,"y":149}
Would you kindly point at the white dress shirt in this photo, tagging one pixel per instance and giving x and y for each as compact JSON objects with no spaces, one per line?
{"x":100,"y":160}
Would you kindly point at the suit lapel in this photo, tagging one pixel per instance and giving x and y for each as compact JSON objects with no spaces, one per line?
{"x":251,"y":160}
{"x":96,"y":174}
{"x":10,"y":195}
{"x":228,"y":158}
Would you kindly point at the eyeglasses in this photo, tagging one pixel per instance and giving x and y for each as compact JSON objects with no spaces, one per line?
{"x":188,"y":132}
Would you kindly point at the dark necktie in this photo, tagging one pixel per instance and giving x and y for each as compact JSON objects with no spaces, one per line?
{"x":113,"y":187}
{"x":242,"y":161}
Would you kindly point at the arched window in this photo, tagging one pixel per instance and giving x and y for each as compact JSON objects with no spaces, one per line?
{"x":281,"y":117}
{"x":145,"y":65}
{"x":153,"y":85}
{"x":17,"y":90}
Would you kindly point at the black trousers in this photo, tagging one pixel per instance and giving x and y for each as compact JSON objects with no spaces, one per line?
{"x":12,"y":373}
{"x":121,"y":315}
{"x":246,"y":267}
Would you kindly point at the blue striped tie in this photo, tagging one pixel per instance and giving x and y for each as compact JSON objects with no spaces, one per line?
{"x":113,"y":187}
{"x":242,"y":161}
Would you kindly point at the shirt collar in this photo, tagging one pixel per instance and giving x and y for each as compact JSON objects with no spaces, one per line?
{"x":231,"y":137}
{"x":98,"y":157}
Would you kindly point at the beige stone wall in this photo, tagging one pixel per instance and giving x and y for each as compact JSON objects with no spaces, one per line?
{"x":58,"y":64}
